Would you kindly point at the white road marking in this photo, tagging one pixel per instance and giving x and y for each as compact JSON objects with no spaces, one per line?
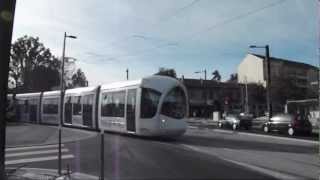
{"x":272,"y":173}
{"x":267,"y":136}
{"x":35,"y":153}
{"x":32,"y":147}
{"x":48,"y":158}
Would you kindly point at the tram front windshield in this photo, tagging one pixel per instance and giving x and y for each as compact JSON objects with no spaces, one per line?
{"x":174,"y":104}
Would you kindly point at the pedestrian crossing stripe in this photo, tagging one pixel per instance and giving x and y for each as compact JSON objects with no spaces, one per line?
{"x":35,"y":153}
{"x":23,"y":155}
{"x":29,"y":160}
{"x":33,"y":147}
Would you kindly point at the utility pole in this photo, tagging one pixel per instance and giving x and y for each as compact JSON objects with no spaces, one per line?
{"x":127,"y":71}
{"x":204,"y":86}
{"x":319,"y":64}
{"x":267,"y":61}
{"x":7,"y":9}
{"x":61,"y":103}
{"x":269,"y":99}
{"x":247,"y":97}
{"x":61,"y":98}
{"x":101,"y":155}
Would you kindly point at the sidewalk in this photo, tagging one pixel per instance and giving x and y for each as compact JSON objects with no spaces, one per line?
{"x":50,"y":174}
{"x":22,"y":134}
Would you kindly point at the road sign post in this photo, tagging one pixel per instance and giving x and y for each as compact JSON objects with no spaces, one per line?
{"x":102,"y":155}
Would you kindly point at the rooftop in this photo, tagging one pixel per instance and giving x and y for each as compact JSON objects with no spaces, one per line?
{"x":291,"y":62}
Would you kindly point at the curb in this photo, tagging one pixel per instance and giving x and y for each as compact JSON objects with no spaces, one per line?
{"x":40,"y":174}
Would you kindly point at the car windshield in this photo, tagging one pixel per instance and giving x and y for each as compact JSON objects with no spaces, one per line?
{"x":159,"y":89}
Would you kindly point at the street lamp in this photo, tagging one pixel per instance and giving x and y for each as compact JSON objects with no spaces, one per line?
{"x":205,"y":90}
{"x":267,"y":58}
{"x":203,"y":71}
{"x":61,"y":96}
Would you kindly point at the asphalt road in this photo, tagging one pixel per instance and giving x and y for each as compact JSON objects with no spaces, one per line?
{"x":200,"y":154}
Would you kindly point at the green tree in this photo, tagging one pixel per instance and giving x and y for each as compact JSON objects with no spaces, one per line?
{"x":216,"y":75}
{"x":167,"y":72}
{"x":32,"y":66}
{"x":233,"y":78}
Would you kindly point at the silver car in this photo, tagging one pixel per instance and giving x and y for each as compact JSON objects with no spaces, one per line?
{"x":236,"y":121}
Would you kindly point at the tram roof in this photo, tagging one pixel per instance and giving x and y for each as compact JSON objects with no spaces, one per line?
{"x":81,"y":90}
{"x":26,"y":95}
{"x":157,"y":82}
{"x":51,"y":93}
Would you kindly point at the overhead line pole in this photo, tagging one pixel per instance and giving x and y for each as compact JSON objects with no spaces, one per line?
{"x":267,"y":61}
{"x":319,"y":65}
{"x":61,"y":103}
{"x":7,"y":10}
{"x":61,"y":99}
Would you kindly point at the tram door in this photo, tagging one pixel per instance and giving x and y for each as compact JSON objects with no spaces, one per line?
{"x":33,"y":113}
{"x":131,"y":110}
{"x":68,"y":111}
{"x":87,"y":110}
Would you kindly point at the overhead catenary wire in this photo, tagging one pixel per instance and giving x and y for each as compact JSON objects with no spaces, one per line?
{"x":198,"y":33}
{"x":238,"y":17}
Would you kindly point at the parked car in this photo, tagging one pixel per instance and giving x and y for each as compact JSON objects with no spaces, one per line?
{"x":236,"y":121}
{"x":292,"y":124}
{"x":259,"y":122}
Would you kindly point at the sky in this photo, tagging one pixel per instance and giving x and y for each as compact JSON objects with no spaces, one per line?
{"x":187,"y":35}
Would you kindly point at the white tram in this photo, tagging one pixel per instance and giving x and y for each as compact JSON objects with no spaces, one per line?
{"x":152,"y":106}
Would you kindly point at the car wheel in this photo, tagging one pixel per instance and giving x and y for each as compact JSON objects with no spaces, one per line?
{"x":234,"y":127}
{"x":291,"y":131}
{"x":266,"y":129}
{"x":219,"y":125}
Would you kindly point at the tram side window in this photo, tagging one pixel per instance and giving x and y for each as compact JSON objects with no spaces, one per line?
{"x":149,"y":102}
{"x":87,"y":102}
{"x":76,"y":101}
{"x":113,"y":104}
{"x":50,"y":105}
{"x":20,"y":106}
{"x":26,"y":106}
{"x":174,"y":104}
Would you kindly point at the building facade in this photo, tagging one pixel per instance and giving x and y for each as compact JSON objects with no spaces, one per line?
{"x":289,"y":79}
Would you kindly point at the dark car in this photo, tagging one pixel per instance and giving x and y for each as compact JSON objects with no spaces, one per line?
{"x":291,"y":124}
{"x":236,"y":121}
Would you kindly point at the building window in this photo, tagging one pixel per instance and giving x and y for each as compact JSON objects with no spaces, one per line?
{"x":149,"y":102}
{"x":113,"y":104}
